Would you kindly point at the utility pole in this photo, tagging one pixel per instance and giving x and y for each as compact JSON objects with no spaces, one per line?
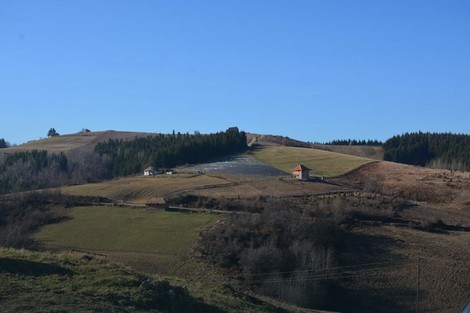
{"x":417,"y":285}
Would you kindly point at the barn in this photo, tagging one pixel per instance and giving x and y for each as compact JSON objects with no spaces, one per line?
{"x":301,"y":172}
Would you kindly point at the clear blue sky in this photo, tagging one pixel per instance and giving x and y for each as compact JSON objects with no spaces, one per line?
{"x":314,"y":70}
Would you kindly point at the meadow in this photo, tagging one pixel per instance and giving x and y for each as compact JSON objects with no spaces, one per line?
{"x":321,"y":162}
{"x":149,"y":240}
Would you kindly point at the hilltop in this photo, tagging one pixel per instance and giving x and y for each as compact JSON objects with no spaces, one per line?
{"x":85,"y":141}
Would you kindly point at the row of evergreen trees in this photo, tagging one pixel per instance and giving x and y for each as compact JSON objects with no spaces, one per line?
{"x":3,"y":143}
{"x":354,"y":142}
{"x":444,"y":150}
{"x":166,"y":151}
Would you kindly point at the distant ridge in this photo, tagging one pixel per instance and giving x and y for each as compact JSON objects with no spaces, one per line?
{"x":78,"y":141}
{"x":370,"y":152}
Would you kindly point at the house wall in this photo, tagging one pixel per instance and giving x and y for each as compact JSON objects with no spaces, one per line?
{"x":300,"y":174}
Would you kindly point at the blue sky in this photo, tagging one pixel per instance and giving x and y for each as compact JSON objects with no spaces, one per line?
{"x":312,"y":70}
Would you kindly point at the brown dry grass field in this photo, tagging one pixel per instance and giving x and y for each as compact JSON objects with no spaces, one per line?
{"x":441,"y":190}
{"x":444,"y":269}
{"x":69,"y":142}
{"x":370,"y":152}
{"x":140,"y":189}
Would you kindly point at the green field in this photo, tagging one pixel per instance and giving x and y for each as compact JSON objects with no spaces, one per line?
{"x":149,"y":240}
{"x":321,"y":163}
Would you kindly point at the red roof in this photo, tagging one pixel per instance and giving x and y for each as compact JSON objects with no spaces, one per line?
{"x":301,"y":168}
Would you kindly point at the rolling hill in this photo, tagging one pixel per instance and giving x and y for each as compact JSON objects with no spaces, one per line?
{"x":73,"y":142}
{"x":394,"y":213}
{"x":321,"y":162}
{"x":370,"y":152}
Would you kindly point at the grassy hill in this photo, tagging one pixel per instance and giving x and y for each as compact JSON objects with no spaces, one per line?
{"x":69,"y":142}
{"x":370,"y":152}
{"x":73,"y":282}
{"x":391,"y":200}
{"x":321,"y":163}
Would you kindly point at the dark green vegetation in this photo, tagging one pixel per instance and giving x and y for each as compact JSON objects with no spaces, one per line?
{"x":354,"y":142}
{"x":441,"y":150}
{"x":3,"y":143}
{"x":166,"y":151}
{"x":52,"y":133}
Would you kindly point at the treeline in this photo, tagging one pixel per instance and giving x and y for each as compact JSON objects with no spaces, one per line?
{"x":3,"y":143}
{"x":29,"y":170}
{"x":353,"y":142}
{"x":442,"y":150}
{"x":166,"y":151}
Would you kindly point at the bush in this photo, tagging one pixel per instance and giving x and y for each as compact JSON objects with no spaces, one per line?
{"x":279,"y":240}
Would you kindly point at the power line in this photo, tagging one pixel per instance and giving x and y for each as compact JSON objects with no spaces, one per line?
{"x":308,"y":271}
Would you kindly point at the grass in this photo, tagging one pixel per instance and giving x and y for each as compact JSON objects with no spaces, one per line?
{"x":68,"y":142}
{"x":370,"y":152}
{"x":66,"y":282}
{"x":152,"y":241}
{"x":140,"y":189}
{"x":60,"y":143}
{"x":321,"y":163}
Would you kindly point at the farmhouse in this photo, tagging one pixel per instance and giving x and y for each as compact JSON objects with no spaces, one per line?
{"x":149,"y":171}
{"x":301,"y":172}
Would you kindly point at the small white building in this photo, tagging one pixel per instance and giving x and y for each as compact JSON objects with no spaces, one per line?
{"x":149,"y":171}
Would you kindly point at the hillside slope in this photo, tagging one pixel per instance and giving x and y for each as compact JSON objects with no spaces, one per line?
{"x":71,"y":142}
{"x":370,"y":152}
{"x":321,"y":162}
{"x":76,"y":282}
